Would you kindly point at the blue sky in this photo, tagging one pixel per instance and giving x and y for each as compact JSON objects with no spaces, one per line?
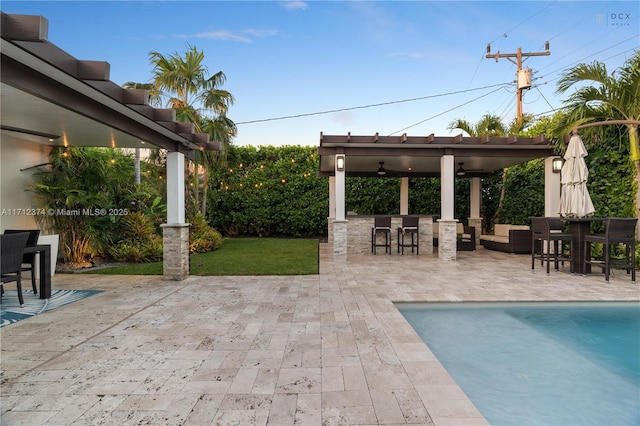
{"x":290,"y":58}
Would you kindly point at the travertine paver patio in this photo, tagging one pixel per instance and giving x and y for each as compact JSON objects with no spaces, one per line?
{"x":308,"y":350}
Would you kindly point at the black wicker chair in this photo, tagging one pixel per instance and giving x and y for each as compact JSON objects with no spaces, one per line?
{"x":617,"y":231}
{"x":12,"y":246}
{"x":409,"y":228}
{"x":28,"y":258}
{"x":550,"y":229}
{"x":381,"y":225}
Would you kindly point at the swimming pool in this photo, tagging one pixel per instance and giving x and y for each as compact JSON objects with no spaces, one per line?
{"x":539,"y":363}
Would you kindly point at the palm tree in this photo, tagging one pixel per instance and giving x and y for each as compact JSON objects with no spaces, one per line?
{"x":185,"y":83}
{"x":488,"y":125}
{"x":154,"y":99}
{"x":492,"y":125}
{"x":220,"y":129}
{"x":605,"y":97}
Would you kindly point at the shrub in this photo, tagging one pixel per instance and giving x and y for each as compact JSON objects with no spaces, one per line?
{"x":139,"y":241}
{"x":202,"y":238}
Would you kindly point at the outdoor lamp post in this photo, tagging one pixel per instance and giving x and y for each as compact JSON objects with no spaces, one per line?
{"x":340,"y":163}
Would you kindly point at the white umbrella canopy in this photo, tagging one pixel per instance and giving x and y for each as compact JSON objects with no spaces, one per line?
{"x":574,"y":196}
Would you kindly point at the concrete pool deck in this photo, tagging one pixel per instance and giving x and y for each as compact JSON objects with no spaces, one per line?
{"x":328,"y":349}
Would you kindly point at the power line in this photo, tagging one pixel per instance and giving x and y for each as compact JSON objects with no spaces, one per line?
{"x":449,"y":110}
{"x":522,"y":22}
{"x":286,"y":117}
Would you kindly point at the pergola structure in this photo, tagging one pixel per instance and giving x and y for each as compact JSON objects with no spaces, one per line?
{"x":50,"y":98}
{"x":446,"y":157}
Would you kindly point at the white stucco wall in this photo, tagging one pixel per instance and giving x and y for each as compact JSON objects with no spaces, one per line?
{"x":17,"y":154}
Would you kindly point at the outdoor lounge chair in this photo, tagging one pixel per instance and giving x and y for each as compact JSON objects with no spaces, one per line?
{"x":550,"y":229}
{"x":381,"y":225}
{"x":12,"y":246}
{"x":28,"y":258}
{"x":617,"y":231}
{"x":409,"y":227}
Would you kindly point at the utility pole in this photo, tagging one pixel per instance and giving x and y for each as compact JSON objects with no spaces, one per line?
{"x":523,"y":76}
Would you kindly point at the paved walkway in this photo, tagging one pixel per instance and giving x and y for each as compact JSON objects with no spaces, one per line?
{"x":304,"y":350}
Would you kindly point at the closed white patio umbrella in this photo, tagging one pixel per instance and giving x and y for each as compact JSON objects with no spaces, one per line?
{"x":574,"y":197}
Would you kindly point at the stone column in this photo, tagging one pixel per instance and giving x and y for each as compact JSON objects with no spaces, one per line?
{"x":175,"y":239}
{"x":340,"y":241}
{"x":425,"y":228}
{"x":447,"y":239}
{"x":175,"y":233}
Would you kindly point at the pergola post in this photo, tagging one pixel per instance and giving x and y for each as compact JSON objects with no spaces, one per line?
{"x":404,"y":196}
{"x":475,"y":219}
{"x":551,"y":189}
{"x":332,"y":197}
{"x":340,"y":224}
{"x":447,"y":238}
{"x":175,"y":233}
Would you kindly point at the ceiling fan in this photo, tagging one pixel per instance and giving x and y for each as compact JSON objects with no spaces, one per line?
{"x":382,"y":171}
{"x":462,"y":171}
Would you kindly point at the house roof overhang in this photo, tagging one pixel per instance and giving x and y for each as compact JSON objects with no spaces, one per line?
{"x":50,"y":97}
{"x":419,"y":156}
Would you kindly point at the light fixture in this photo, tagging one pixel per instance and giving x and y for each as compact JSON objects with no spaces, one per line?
{"x":557,"y":165}
{"x":461,"y":171}
{"x":381,"y":170}
{"x":340,"y":163}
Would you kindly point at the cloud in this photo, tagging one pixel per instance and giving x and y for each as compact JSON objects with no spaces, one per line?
{"x":261,"y":33}
{"x":294,"y":4}
{"x":223,"y":35}
{"x":346,"y":118}
{"x":413,"y":55}
{"x":244,"y":36}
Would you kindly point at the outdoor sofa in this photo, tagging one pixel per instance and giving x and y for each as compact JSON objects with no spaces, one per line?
{"x":466,"y":236}
{"x":508,"y":238}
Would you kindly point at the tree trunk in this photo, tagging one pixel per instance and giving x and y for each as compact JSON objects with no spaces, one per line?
{"x":205,"y":187}
{"x":637,"y":209}
{"x":498,"y":214}
{"x":634,"y":150}
{"x":136,"y":167}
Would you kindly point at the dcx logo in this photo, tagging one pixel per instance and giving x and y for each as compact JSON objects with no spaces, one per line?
{"x":618,"y":19}
{"x":620,"y":16}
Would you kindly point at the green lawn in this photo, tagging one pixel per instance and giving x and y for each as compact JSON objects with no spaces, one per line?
{"x":242,"y":256}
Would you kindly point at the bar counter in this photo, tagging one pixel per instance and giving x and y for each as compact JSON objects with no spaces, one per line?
{"x":359,"y":234}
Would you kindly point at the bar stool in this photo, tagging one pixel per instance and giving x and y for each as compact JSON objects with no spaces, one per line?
{"x":550,"y":229}
{"x":409,"y":227}
{"x":381,"y":225}
{"x":617,"y":231}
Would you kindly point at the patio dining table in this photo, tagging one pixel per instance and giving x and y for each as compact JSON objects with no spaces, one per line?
{"x":44,"y":251}
{"x":578,"y":228}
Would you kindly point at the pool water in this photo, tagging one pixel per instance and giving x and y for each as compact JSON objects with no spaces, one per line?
{"x":539,"y":363}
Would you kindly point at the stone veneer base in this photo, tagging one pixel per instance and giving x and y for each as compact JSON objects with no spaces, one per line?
{"x":175,"y":239}
{"x":447,"y":240}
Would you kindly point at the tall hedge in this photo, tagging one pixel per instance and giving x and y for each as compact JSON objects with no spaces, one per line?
{"x":269,"y":191}
{"x":276,"y":191}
